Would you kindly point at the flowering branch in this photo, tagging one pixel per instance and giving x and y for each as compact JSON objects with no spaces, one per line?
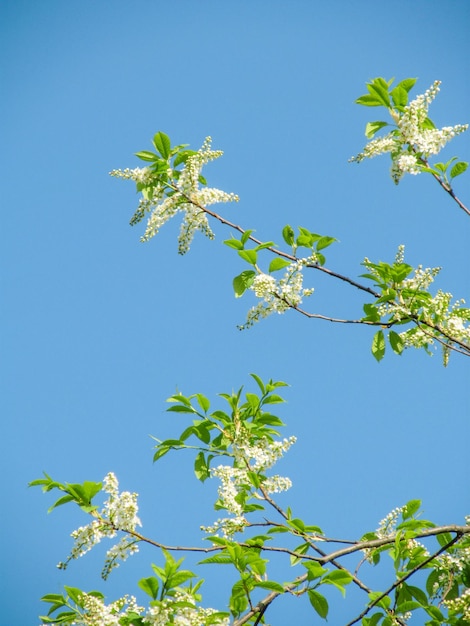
{"x":247,"y":438}
{"x":414,"y":137}
{"x":244,"y":440}
{"x":401,"y":300}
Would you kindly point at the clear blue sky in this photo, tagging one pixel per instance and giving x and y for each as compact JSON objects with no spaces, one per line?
{"x":99,"y":329}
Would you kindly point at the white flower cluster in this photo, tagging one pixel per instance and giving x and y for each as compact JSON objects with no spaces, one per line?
{"x":185,"y":196}
{"x":234,"y":480}
{"x":421,"y":279}
{"x":97,"y":613}
{"x":453,"y":319}
{"x":226,"y":526}
{"x":264,"y":453}
{"x":182,"y":611}
{"x":142,"y":175}
{"x":120,"y":508}
{"x":387,"y":530}
{"x":278,"y":295}
{"x":450,"y":567}
{"x":412,"y":140}
{"x":461,"y":605}
{"x":387,"y":526}
{"x":455,"y":563}
{"x":119,"y":513}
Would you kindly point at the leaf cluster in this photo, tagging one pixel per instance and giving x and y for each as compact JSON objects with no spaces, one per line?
{"x":216,"y":431}
{"x":305,"y":239}
{"x":165,"y":166}
{"x":80,"y":493}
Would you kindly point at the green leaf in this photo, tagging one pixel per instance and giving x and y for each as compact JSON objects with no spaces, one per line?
{"x":61,"y":501}
{"x":203,"y":402}
{"x":150,"y":586}
{"x":178,"y":397}
{"x":442,"y":167}
{"x":371,"y":312}
{"x":54,"y":598}
{"x":378,"y":345}
{"x":374,"y":127}
{"x":234,"y":243}
{"x":407,"y":83}
{"x":181,"y":408}
{"x":411,"y":508}
{"x":418,"y":594}
{"x":297,"y":523}
{"x":319,"y":603}
{"x":145,"y":155}
{"x":271,"y":585}
{"x":161,"y":451}
{"x":432,"y":581}
{"x":399,"y":96}
{"x":428,"y":124}
{"x":263,"y":246}
{"x":339,"y":578}
{"x":179,"y":577}
{"x":376,"y":88}
{"x":242,"y":282}
{"x":383,"y":603}
{"x":410,"y":605}
{"x":273,"y":398}
{"x":396,"y":342}
{"x":278,"y":264}
{"x":305,"y":241}
{"x":434,"y":612}
{"x":245,"y":236}
{"x":218,"y":559}
{"x":73,"y":593}
{"x":288,"y":235}
{"x":298,"y":550}
{"x":162,"y":144}
{"x":429,"y":170}
{"x":443,"y":539}
{"x":61,"y":618}
{"x":202,"y":431}
{"x":259,"y":382}
{"x":271,"y":420}
{"x":369,"y":101}
{"x":201,"y":467}
{"x":324,"y":242}
{"x":183,"y":156}
{"x":314,"y":569}
{"x":373,"y":620}
{"x":459,"y":168}
{"x":249,"y":256}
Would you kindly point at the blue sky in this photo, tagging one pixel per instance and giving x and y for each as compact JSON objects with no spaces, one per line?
{"x":99,"y":329}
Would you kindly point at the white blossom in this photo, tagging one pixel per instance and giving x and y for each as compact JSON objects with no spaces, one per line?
{"x":97,"y":613}
{"x":277,"y":296}
{"x":119,"y":513}
{"x":249,"y":457}
{"x":412,"y":139}
{"x":460,"y":604}
{"x":179,"y":194}
{"x":182,"y":611}
{"x":264,"y":453}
